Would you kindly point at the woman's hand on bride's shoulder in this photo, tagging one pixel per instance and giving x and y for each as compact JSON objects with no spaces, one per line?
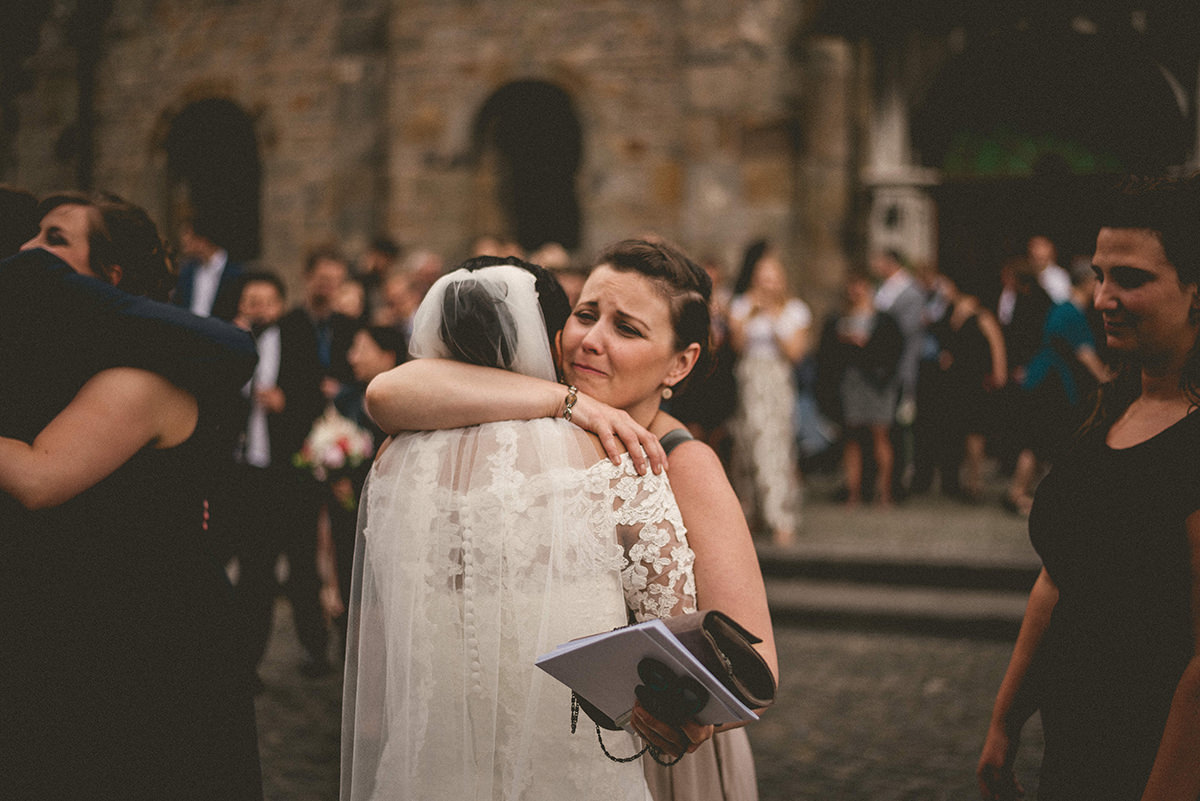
{"x":619,"y":433}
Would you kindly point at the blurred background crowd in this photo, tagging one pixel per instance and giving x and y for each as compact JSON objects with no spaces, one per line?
{"x":890,"y":199}
{"x":911,"y":385}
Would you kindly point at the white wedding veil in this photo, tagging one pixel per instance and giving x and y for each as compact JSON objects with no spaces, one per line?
{"x":489,"y":316}
{"x":479,"y":549}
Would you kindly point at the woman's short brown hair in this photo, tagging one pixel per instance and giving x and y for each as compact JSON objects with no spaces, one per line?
{"x":686,"y":286}
{"x":121,"y":234}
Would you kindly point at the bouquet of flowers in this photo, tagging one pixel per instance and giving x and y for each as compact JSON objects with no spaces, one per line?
{"x":334,"y":447}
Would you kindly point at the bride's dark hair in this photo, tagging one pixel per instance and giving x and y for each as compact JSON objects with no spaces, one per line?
{"x":477,"y":326}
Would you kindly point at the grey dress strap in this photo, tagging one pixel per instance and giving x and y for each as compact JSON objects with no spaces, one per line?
{"x":674,"y":437}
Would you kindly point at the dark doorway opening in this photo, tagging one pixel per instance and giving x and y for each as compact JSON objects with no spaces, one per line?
{"x":1025,"y":126}
{"x":531,"y":129}
{"x":215,"y":174}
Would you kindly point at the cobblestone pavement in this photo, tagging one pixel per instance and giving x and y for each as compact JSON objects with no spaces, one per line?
{"x":299,"y":722}
{"x":861,"y":716}
{"x":881,"y":717}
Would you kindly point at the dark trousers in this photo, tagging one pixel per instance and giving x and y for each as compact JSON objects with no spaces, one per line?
{"x":269,"y":512}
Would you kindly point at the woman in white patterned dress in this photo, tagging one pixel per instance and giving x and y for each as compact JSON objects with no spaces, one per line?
{"x":768,"y":328}
{"x":482,"y":548}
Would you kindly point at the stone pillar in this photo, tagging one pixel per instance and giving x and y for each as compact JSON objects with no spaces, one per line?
{"x":901,"y":215}
{"x":825,"y":170}
{"x":360,"y":181}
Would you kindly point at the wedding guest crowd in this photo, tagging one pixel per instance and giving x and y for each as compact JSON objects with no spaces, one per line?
{"x":921,"y":378}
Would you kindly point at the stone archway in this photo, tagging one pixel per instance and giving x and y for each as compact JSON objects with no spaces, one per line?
{"x":528,"y":144}
{"x":215,"y":174}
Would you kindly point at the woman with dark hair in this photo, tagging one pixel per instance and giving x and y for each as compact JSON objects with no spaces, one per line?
{"x":640,"y":328}
{"x":971,"y":364}
{"x":856,"y":360}
{"x":375,"y":349}
{"x":482,"y":548}
{"x":108,"y":238}
{"x":1109,"y":651}
{"x":120,"y":665}
{"x":768,"y":328}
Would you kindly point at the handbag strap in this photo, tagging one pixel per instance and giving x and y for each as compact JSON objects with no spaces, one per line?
{"x":654,"y":752}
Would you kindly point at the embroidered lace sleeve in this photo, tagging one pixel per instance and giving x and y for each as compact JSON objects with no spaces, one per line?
{"x":657,"y":574}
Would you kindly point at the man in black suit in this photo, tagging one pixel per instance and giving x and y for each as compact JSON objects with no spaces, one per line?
{"x":325,"y":271}
{"x":270,"y":507}
{"x":1021,"y":309}
{"x":209,"y":283}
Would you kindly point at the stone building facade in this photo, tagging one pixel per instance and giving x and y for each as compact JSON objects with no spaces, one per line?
{"x":828,"y":126}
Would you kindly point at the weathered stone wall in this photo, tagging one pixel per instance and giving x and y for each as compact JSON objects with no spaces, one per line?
{"x":688,"y":109}
{"x":278,"y":61}
{"x":692,"y":116}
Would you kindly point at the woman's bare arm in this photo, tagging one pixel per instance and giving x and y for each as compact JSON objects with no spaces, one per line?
{"x":995,"y":339}
{"x":795,"y":345}
{"x":116,"y":413}
{"x":737,"y":333}
{"x":1010,"y":711}
{"x":1095,"y":365}
{"x":1176,"y":771}
{"x":728,"y":577}
{"x":431,"y":394}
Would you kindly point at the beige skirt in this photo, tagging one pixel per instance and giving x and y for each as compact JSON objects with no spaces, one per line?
{"x":720,"y":770}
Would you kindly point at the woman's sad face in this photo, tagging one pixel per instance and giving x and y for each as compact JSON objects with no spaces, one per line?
{"x":619,"y":343}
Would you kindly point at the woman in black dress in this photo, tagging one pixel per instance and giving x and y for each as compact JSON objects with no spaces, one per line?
{"x":1108,"y":651}
{"x":118,"y":660}
{"x":971,"y":363}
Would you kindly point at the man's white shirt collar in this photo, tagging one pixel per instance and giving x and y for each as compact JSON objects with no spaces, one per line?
{"x":890,"y":289}
{"x":206,"y":281}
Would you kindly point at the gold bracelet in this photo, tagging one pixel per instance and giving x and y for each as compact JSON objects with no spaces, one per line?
{"x":569,"y":403}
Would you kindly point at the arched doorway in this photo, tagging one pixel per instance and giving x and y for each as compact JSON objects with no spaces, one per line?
{"x":529,"y":146}
{"x":215,"y":175}
{"x":1024,"y":125}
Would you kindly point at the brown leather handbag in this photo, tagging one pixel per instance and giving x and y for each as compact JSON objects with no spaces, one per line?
{"x":727,"y":649}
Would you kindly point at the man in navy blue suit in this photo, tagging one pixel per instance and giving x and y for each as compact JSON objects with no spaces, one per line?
{"x":209,"y":283}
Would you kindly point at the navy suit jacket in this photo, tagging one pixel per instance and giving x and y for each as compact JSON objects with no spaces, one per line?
{"x":59,"y":328}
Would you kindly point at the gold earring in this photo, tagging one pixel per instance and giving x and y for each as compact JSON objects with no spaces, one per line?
{"x":667,"y":393}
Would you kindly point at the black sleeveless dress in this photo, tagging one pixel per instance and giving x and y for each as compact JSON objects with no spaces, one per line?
{"x":118,"y":676}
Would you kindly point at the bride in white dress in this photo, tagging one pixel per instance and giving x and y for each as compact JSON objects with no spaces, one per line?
{"x":482,"y":548}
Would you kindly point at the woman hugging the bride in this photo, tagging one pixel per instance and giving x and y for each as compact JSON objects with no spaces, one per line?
{"x":458,"y":613}
{"x":483,"y":547}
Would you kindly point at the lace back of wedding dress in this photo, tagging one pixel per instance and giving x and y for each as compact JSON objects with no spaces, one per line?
{"x":480,"y":549}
